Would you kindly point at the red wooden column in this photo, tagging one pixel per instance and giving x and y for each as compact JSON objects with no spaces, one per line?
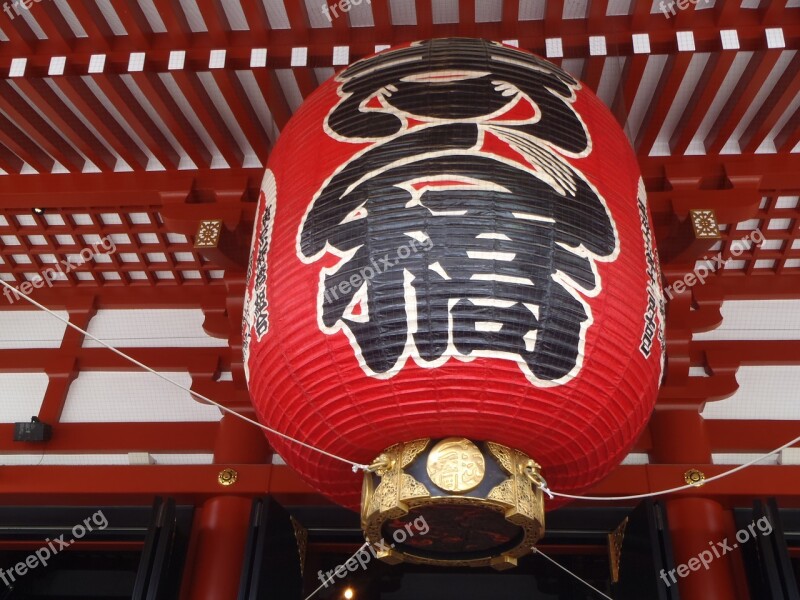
{"x":220,"y":530}
{"x":697,"y":525}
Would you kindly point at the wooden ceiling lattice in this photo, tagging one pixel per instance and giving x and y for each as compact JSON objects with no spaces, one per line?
{"x":210,"y":84}
{"x":98,"y":248}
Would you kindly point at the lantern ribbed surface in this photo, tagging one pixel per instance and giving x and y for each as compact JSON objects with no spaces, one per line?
{"x":452,"y":240}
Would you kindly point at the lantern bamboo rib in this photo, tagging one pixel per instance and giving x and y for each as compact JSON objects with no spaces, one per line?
{"x":360,"y":467}
{"x":356,"y":466}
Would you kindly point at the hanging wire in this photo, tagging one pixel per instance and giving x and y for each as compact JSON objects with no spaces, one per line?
{"x":329,"y":580}
{"x":356,"y":466}
{"x":681,"y":488}
{"x":566,"y":570}
{"x":360,"y":467}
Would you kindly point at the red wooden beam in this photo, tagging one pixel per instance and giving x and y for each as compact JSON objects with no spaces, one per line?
{"x":742,"y":97}
{"x":94,"y":24}
{"x":117,"y":438}
{"x":192,"y":88}
{"x":574,"y":33}
{"x":727,"y":14}
{"x":124,"y":189}
{"x":749,"y":436}
{"x":134,"y":484}
{"x":663,"y":98}
{"x":98,"y":485}
{"x":593,"y":71}
{"x":228,"y":82}
{"x":642,"y":20}
{"x":775,"y":172}
{"x":63,"y":118}
{"x":381,"y":16}
{"x":19,"y":33}
{"x":341,"y":26}
{"x":772,"y":171}
{"x":273,"y":94}
{"x":424,"y":10}
{"x":54,"y":26}
{"x":299,"y":24}
{"x":306,"y":81}
{"x":708,"y":85}
{"x":789,"y":136}
{"x":784,"y":94}
{"x":180,"y":127}
{"x":735,"y":490}
{"x":772,"y":13}
{"x":466,"y":18}
{"x":257,"y":20}
{"x":628,"y":86}
{"x":13,"y":138}
{"x":93,"y":110}
{"x":162,"y":296}
{"x":178,"y":31}
{"x":752,"y":287}
{"x":135,"y":23}
{"x":200,"y":360}
{"x":58,"y":384}
{"x":37,"y":129}
{"x":734,"y":353}
{"x":215,"y":19}
{"x":9,"y":162}
{"x":136,"y":118}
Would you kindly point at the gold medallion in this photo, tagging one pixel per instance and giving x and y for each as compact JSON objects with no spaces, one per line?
{"x":456,"y":465}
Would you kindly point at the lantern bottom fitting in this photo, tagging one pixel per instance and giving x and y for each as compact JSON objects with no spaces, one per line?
{"x":452,"y":502}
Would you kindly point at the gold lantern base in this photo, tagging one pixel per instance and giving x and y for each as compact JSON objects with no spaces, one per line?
{"x":452,"y":502}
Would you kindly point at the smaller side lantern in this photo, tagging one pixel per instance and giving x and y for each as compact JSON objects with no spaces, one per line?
{"x":479,"y":502}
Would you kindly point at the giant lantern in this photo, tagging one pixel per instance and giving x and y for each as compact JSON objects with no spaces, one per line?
{"x":454,"y":279}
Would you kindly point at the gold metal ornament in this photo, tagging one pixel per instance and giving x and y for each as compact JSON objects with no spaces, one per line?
{"x":456,"y":465}
{"x":482,"y":495}
{"x":694,"y":477}
{"x":704,"y":223}
{"x":301,"y":535}
{"x":227,"y":477}
{"x":208,"y":233}
{"x":615,"y":539}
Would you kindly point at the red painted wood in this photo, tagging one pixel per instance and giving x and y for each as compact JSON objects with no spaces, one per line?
{"x":693,"y":523}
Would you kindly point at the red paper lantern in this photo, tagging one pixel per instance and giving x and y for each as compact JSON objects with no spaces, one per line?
{"x":452,"y":241}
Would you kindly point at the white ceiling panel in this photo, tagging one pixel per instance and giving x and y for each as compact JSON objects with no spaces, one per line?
{"x":30,"y":328}
{"x":147,"y":328}
{"x":121,"y":397}
{"x":723,"y":458}
{"x":445,"y":11}
{"x":756,"y":320}
{"x":765,"y":393}
{"x":636,"y":458}
{"x":404,"y":12}
{"x":21,"y":396}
